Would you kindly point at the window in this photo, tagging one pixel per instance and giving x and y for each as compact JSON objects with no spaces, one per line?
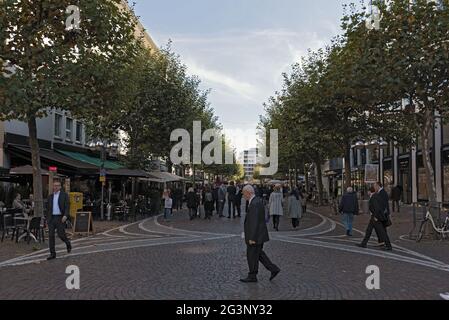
{"x":422,"y":185}
{"x":446,"y":134}
{"x":68,"y":129}
{"x":79,"y":132}
{"x":58,"y":124}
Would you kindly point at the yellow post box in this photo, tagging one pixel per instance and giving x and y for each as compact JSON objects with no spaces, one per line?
{"x":76,"y":203}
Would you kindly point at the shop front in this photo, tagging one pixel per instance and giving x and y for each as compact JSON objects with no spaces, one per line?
{"x":445,"y":171}
{"x":405,"y":178}
{"x":388,"y":175}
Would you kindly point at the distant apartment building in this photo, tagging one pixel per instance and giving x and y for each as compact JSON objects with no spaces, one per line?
{"x":248,"y":158}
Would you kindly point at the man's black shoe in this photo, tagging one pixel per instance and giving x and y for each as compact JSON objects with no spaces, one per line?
{"x":69,"y":248}
{"x":274,"y":274}
{"x":52,"y":257}
{"x":248,"y":280}
{"x":387,"y":248}
{"x":361,"y":245}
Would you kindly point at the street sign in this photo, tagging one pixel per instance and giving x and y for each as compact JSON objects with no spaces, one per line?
{"x":102,"y":172}
{"x":103,"y":179}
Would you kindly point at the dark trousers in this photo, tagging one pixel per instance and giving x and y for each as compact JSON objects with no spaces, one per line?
{"x":396,"y":203}
{"x":220,"y":207}
{"x":254,"y":254}
{"x":381,"y":232}
{"x":276,"y":221}
{"x":55,"y":223}
{"x":231,"y":205}
{"x":216,"y":205}
{"x":238,"y":206}
{"x":192,"y":213}
{"x":295,"y":222}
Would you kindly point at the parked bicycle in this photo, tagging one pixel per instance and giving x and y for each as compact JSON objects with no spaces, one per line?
{"x":441,"y":230}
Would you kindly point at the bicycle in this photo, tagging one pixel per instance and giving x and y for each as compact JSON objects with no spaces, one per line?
{"x":442,"y":230}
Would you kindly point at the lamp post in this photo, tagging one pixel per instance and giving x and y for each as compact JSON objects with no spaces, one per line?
{"x":103,"y":146}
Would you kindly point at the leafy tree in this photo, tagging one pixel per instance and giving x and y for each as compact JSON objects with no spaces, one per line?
{"x":42,"y":60}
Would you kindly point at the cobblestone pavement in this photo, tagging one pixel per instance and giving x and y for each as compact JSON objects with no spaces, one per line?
{"x":201,"y":259}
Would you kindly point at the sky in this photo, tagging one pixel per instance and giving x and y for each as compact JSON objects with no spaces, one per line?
{"x":240,"y":48}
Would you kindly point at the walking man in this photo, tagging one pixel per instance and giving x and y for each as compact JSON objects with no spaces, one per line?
{"x":221,"y":200}
{"x":349,"y":206}
{"x":256,"y":234}
{"x":377,"y":221}
{"x":57,"y":215}
{"x":231,"y":199}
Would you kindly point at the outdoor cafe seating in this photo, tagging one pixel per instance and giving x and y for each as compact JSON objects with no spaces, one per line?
{"x":19,"y":225}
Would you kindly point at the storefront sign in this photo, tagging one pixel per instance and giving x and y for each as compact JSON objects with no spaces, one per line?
{"x":371,"y":173}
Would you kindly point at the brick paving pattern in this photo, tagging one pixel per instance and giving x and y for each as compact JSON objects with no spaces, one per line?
{"x":200,"y":259}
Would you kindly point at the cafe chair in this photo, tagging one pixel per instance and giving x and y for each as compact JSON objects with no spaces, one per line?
{"x":8,"y":226}
{"x":21,"y":226}
{"x":36,"y":228}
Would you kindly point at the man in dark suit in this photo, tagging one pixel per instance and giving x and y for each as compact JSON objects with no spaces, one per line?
{"x":238,"y":200}
{"x":57,"y":215}
{"x":383,"y":196}
{"x":256,"y":234}
{"x":377,"y":221}
{"x":232,"y":190}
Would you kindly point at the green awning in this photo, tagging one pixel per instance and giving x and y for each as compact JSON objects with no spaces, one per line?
{"x":92,"y":160}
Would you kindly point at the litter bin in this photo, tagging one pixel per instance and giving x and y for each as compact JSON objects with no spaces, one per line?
{"x":76,"y":203}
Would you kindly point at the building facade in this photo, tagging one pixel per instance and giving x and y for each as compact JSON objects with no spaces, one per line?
{"x":398,"y":165}
{"x":248,"y":158}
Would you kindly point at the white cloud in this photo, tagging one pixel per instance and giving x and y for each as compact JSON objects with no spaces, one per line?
{"x":243,"y":68}
{"x":241,"y":88}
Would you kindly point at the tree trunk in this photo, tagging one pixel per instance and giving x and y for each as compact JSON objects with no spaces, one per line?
{"x":36,"y":163}
{"x":427,"y":160}
{"x":347,"y":178}
{"x":319,"y":181}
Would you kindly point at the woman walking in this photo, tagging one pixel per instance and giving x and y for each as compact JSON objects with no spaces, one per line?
{"x":275,"y":205}
{"x":294,"y":208}
{"x":192,"y":203}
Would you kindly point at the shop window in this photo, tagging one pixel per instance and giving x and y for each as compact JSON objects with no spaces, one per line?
{"x":446,"y":134}
{"x":446,"y":183}
{"x":388,"y":180}
{"x":79,"y":132}
{"x":68,"y":129}
{"x":422,"y":184}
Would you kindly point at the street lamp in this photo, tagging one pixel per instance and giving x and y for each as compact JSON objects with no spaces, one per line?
{"x":102,"y":146}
